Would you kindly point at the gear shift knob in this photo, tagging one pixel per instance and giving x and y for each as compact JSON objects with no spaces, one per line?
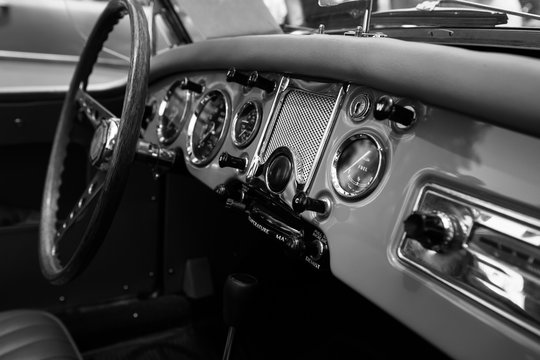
{"x":238,"y":296}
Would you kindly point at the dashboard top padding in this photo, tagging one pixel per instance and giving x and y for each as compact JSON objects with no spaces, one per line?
{"x":498,"y":88}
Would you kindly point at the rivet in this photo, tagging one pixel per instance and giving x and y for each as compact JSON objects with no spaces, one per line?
{"x":151,"y":274}
{"x":61,"y":298}
{"x":125,"y":287}
{"x":170,"y":270}
{"x":135,"y":315}
{"x":18,"y":122}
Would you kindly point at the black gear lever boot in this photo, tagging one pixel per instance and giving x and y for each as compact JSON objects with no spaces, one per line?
{"x":239,"y":295}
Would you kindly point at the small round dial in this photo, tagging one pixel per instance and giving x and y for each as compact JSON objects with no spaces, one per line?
{"x":357,"y":166}
{"x":206,"y":128}
{"x":172,"y":113}
{"x":246,"y":124}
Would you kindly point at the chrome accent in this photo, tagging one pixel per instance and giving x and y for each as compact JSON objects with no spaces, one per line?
{"x":167,"y":132}
{"x":376,"y":179}
{"x":257,"y":106}
{"x":362,"y":97}
{"x":155,"y":153}
{"x":103,"y":142}
{"x":256,"y":160}
{"x":499,"y":265}
{"x":195,"y":117}
{"x":57,"y":58}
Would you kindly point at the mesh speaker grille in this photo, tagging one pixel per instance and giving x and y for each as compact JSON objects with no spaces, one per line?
{"x":300,"y":126}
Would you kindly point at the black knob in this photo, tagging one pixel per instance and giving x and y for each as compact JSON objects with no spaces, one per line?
{"x":258,"y":81}
{"x":278,"y":173}
{"x":227,"y":160}
{"x":239,"y":295}
{"x":385,"y":108}
{"x":236,"y":76}
{"x":186,"y":84}
{"x":295,"y":245}
{"x":315,"y":249}
{"x":301,"y":202}
{"x":435,"y":231}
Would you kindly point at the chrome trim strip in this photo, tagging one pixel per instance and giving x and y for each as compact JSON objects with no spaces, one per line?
{"x":278,"y":99}
{"x":506,"y":291}
{"x":58,"y":58}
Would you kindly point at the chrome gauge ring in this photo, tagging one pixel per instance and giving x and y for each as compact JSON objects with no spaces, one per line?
{"x":207,"y":127}
{"x":357,"y":166}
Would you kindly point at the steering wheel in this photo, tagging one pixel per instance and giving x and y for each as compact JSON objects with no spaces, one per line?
{"x":111,"y":152}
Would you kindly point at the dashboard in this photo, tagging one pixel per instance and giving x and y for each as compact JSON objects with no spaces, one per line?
{"x":422,"y":198}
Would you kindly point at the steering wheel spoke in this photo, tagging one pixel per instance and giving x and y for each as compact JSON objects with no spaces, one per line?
{"x":85,"y":201}
{"x":92,"y":109}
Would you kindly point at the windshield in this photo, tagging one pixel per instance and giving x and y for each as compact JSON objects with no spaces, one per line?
{"x":391,"y":13}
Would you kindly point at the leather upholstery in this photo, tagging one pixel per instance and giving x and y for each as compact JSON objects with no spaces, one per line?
{"x":34,"y":335}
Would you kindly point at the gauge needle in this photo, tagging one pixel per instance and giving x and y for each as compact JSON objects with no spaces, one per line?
{"x":241,"y":133}
{"x":207,"y":133}
{"x":357,"y":161}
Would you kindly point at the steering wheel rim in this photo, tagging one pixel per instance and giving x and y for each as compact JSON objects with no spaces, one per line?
{"x":105,"y":190}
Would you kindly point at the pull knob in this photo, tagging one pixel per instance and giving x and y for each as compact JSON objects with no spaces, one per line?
{"x":315,"y":249}
{"x":186,"y":84}
{"x":301,"y":202}
{"x":435,"y":231}
{"x":258,"y":81}
{"x":236,"y":76}
{"x":227,"y":160}
{"x":295,"y":245}
{"x":385,"y":108}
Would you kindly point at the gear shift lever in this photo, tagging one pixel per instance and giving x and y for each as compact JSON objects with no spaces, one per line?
{"x":238,"y":296}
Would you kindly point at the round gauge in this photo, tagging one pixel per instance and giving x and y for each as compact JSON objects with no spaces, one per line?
{"x":246,"y":124}
{"x":206,"y":128}
{"x":357,"y":166}
{"x":172,"y":113}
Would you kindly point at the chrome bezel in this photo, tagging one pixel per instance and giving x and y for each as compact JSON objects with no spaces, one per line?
{"x":188,"y":96}
{"x":376,"y":178}
{"x":365,"y":96}
{"x":195,"y":117}
{"x":244,"y":144}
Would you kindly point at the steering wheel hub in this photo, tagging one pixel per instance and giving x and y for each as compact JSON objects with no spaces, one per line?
{"x":102,"y":145}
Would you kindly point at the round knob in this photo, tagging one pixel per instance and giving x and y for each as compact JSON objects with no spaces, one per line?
{"x":435,"y":231}
{"x":239,"y":296}
{"x":385,"y":108}
{"x":227,"y":160}
{"x":278,"y":173}
{"x":301,"y":202}
{"x":186,"y":84}
{"x":315,"y":249}
{"x":256,"y":80}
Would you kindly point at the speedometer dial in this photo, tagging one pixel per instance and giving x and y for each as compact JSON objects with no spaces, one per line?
{"x":172,"y":113}
{"x":246,"y":124}
{"x":206,"y":128}
{"x":357,"y":166}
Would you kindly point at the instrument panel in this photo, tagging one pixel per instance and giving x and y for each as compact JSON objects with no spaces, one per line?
{"x":327,"y":168}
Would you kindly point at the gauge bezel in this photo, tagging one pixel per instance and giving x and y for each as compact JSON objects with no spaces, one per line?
{"x":378,"y":173}
{"x":167,"y":140}
{"x":236,"y":142}
{"x":195,"y":117}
